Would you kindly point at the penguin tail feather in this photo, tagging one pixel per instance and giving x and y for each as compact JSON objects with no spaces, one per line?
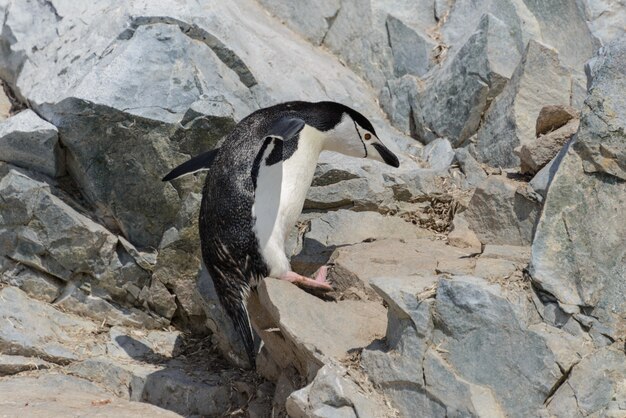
{"x":241,"y":321}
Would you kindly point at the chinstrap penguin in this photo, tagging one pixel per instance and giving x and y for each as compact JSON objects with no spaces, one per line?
{"x":255,"y":189}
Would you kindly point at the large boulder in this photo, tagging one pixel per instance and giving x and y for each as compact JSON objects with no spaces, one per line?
{"x":32,"y":328}
{"x":499,"y":214}
{"x":468,"y":351}
{"x":28,"y":141}
{"x":579,"y":251}
{"x":41,"y":231}
{"x":539,"y":80}
{"x":454,"y":100}
{"x":52,"y":395}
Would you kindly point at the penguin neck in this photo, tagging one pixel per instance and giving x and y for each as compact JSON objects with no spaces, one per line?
{"x":312,"y":143}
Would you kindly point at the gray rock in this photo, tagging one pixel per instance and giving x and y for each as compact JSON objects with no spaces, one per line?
{"x":439,"y":154}
{"x":399,"y":99}
{"x":52,"y":395}
{"x":562,"y":26}
{"x":302,"y":331}
{"x":473,"y":349}
{"x":348,"y":186}
{"x":28,"y":141}
{"x":5,"y":105}
{"x":411,"y":51}
{"x":474,"y":172}
{"x":536,"y":154}
{"x":33,"y":328}
{"x":311,"y":19}
{"x":343,"y":227}
{"x":517,"y":254}
{"x":453,"y":103}
{"x":541,"y":182}
{"x":578,"y":226}
{"x":593,"y":387}
{"x":46,"y":234}
{"x":606,"y":19}
{"x":135,"y":344}
{"x":125,"y":378}
{"x":539,"y":80}
{"x":491,"y":364}
{"x":396,"y":258}
{"x":333,"y":394}
{"x":465,"y":16}
{"x":498,"y":214}
{"x":599,"y":143}
{"x":167,"y":387}
{"x":16,"y":364}
{"x":87,"y":301}
{"x":558,"y":24}
{"x":360,"y":42}
{"x":462,"y":236}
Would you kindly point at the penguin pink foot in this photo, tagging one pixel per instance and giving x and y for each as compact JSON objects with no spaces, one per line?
{"x":319,"y":282}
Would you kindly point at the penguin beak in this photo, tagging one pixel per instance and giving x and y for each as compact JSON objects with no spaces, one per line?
{"x":387,"y":156}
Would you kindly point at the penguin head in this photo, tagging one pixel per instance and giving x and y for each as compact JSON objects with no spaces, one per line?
{"x":352,"y":134}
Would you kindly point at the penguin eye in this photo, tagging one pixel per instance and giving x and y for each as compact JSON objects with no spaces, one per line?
{"x":367,"y":136}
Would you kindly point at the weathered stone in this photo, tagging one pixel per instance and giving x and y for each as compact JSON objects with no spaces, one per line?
{"x":53,"y":395}
{"x":536,"y":154}
{"x":594,"y":387}
{"x":302,"y":330}
{"x":439,"y":154}
{"x":473,"y":347}
{"x":539,"y":80}
{"x":606,"y":19}
{"x":600,"y":142}
{"x":465,"y":16}
{"x":518,"y":254}
{"x":562,"y":25}
{"x":46,"y":234}
{"x":453,"y":103}
{"x":462,"y":236}
{"x":474,"y":172}
{"x":399,"y":99}
{"x":333,"y":394}
{"x":123,"y":378}
{"x":541,"y":182}
{"x":5,"y":105}
{"x":358,"y":193}
{"x":405,"y":258}
{"x":311,"y":19}
{"x":494,"y":269}
{"x":16,"y":364}
{"x":500,"y":215}
{"x":32,"y":328}
{"x":85,"y":301}
{"x":28,"y":141}
{"x":137,"y":344}
{"x":342,"y":227}
{"x":579,"y":251}
{"x":552,"y":117}
{"x":360,"y":42}
{"x":411,"y":52}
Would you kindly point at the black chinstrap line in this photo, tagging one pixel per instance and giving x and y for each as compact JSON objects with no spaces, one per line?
{"x":362,"y":142}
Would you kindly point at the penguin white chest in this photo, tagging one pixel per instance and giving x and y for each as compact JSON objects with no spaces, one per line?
{"x":279,"y":197}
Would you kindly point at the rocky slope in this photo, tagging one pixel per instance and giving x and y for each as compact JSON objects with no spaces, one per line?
{"x":482,"y":278}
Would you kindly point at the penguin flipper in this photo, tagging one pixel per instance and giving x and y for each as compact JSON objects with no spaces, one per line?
{"x":285,"y":128}
{"x":197,"y":163}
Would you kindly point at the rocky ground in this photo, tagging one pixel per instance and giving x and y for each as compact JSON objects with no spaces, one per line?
{"x":484,"y":277}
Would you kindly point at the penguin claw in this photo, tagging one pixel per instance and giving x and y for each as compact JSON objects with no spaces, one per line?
{"x":318,"y":283}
